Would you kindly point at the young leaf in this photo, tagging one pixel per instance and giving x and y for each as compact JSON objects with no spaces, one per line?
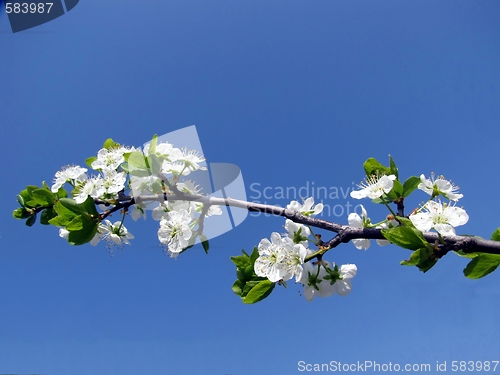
{"x":238,"y":287}
{"x":72,"y":206}
{"x":422,"y":259}
{"x":21,"y":213}
{"x":392,"y":166}
{"x":110,"y":144}
{"x":409,"y":185}
{"x":64,"y":215}
{"x":408,"y":238}
{"x":152,"y":145}
{"x":43,"y":197}
{"x":204,"y":243}
{"x":260,"y":291}
{"x":90,"y":160}
{"x":241,"y":261}
{"x":31,"y":220}
{"x":482,"y":265}
{"x":372,"y":166}
{"x":89,"y":207}
{"x":46,"y":215}
{"x":496,"y":235}
{"x":84,"y":235}
{"x":396,"y":192}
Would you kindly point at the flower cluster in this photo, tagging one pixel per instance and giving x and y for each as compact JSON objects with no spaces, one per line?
{"x":127,"y":172}
{"x":282,"y":258}
{"x":442,"y":217}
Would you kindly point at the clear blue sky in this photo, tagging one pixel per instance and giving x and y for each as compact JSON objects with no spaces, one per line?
{"x":291,"y":91}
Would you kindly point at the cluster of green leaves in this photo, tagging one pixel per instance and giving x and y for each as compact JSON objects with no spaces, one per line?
{"x":81,"y":220}
{"x":34,"y":200}
{"x":250,"y":287}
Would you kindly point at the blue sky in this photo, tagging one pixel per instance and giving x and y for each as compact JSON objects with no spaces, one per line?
{"x":291,"y":91}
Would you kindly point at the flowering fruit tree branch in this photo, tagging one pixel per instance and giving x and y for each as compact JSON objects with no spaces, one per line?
{"x":130,"y":180}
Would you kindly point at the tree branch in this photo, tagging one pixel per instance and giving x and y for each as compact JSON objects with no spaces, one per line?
{"x":345,"y":233}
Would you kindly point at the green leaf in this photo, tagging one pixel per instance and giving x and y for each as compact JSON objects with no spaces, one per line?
{"x":408,"y":238}
{"x":410,"y":184}
{"x":86,"y":233}
{"x":89,"y":207}
{"x":422,"y":259}
{"x":238,"y":287}
{"x":64,"y":215}
{"x":392,"y":166}
{"x":21,"y":213}
{"x":25,"y":195}
{"x":259,"y":292}
{"x":31,"y":188}
{"x":396,"y":191}
{"x":248,"y":286}
{"x":152,"y":145}
{"x":253,"y":257}
{"x":62,"y":193}
{"x":496,"y":235}
{"x":482,"y":265}
{"x":43,"y":197}
{"x":71,"y":205}
{"x":47,"y":215}
{"x":110,"y":144}
{"x":373,"y":167}
{"x":20,"y":200}
{"x":90,"y":160}
{"x":137,"y":165}
{"x":462,"y":254}
{"x":241,"y":261}
{"x":126,"y":155}
{"x":204,"y":243}
{"x":155,"y":163}
{"x":76,"y":224}
{"x":31,"y":220}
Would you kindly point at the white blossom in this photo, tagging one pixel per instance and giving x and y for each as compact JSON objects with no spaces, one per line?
{"x":113,"y":182}
{"x":116,"y":233}
{"x":109,"y":159}
{"x":93,"y":186}
{"x":443,"y":218}
{"x":434,"y":187}
{"x":175,"y":231}
{"x":374,"y":187}
{"x":307,"y":208}
{"x":279,"y":259}
{"x":73,"y":174}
